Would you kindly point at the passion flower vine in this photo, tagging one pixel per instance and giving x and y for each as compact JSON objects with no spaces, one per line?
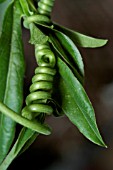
{"x":57,"y":84}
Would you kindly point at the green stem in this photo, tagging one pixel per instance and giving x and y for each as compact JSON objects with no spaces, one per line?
{"x":33,"y":125}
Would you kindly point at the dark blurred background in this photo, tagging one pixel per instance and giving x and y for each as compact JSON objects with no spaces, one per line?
{"x":66,"y":148}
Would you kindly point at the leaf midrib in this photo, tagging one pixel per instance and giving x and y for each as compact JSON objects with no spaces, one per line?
{"x":10,"y":63}
{"x":98,"y":136}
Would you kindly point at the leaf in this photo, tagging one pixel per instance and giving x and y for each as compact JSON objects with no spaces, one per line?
{"x":81,"y":39}
{"x":78,"y":38}
{"x":5,"y":40}
{"x":37,"y":37}
{"x":66,"y":49}
{"x":61,"y":52}
{"x":75,"y":104}
{"x":11,"y":73}
{"x":28,"y":143}
{"x":26,"y":136}
{"x":3,"y":8}
{"x":72,"y":51}
{"x":25,"y":7}
{"x":32,"y":5}
{"x":2,"y":1}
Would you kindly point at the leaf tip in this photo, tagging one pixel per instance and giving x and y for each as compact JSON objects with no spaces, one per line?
{"x":106,"y":146}
{"x":46,"y":129}
{"x":102,"y":144}
{"x":95,"y":43}
{"x":103,"y":42}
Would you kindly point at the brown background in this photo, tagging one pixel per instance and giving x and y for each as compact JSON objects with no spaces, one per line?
{"x":66,"y":148}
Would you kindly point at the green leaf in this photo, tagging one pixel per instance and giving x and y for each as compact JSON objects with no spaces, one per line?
{"x":25,"y":138}
{"x":32,"y":5}
{"x":61,"y":52}
{"x":28,"y":143}
{"x":72,"y":52}
{"x":11,"y":73}
{"x":69,"y":54}
{"x":80,"y":39}
{"x":75,"y":104}
{"x":66,"y":49}
{"x":25,"y":8}
{"x":3,"y":8}
{"x":5,"y":40}
{"x":37,"y":37}
{"x":2,"y":1}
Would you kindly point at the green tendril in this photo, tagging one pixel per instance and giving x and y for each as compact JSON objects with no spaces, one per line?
{"x":42,"y":82}
{"x":45,"y":7}
{"x":33,"y":125}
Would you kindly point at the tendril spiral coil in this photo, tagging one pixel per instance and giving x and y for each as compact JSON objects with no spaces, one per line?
{"x":42,"y":82}
{"x":45,"y":7}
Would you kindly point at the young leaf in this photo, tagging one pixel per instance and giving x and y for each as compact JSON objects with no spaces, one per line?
{"x":12,"y":64}
{"x":37,"y":37}
{"x":81,"y":39}
{"x":76,"y":105}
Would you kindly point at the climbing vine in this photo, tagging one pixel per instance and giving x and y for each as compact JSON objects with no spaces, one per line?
{"x":57,"y":84}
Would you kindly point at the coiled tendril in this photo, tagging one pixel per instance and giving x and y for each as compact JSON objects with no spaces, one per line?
{"x":42,"y":82}
{"x":45,"y":7}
